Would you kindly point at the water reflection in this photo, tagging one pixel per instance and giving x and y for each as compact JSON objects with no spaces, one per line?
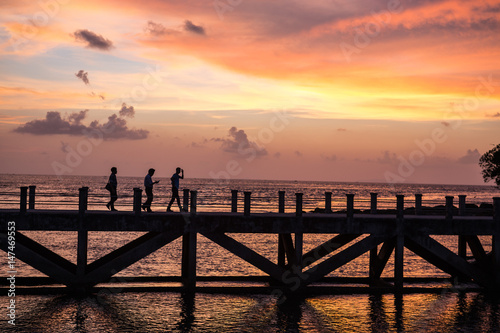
{"x":188,"y":312}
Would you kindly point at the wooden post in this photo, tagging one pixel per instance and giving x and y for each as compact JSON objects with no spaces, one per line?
{"x":449,"y":207}
{"x":194,"y":195}
{"x":185,"y":200}
{"x":246,"y":203}
{"x":24,"y":193}
{"x":31,"y":202}
{"x":234,"y":201}
{"x":418,"y":204}
{"x":137,"y":200}
{"x":81,"y":255}
{"x":299,"y":236}
{"x":328,"y":202}
{"x":462,"y":244}
{"x":461,"y":204}
{"x":373,"y":203}
{"x":496,"y":240}
{"x":189,"y":240}
{"x":281,"y":245}
{"x":281,"y":201}
{"x":399,"y":249}
{"x":350,"y":206}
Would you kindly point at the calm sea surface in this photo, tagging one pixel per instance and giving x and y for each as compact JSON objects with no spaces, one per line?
{"x":448,"y":311}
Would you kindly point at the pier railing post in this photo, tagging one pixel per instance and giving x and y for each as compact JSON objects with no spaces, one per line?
{"x":281,"y":245}
{"x":328,"y":202}
{"x":31,"y":202}
{"x":24,"y":193}
{"x":461,"y":204}
{"x":185,"y":200}
{"x":194,"y":197}
{"x":234,"y":201}
{"x":373,"y":203}
{"x":350,"y":206}
{"x":462,"y":244}
{"x":137,"y":200}
{"x":418,"y":204}
{"x":449,"y":207}
{"x":496,"y":239}
{"x":299,"y":236}
{"x":82,"y":245}
{"x":399,"y":248}
{"x":246,"y":203}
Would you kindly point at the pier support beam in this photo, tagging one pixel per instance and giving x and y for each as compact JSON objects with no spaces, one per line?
{"x":328,"y":202}
{"x":281,"y":240}
{"x":234,"y":201}
{"x":185,"y":200}
{"x":418,"y":204}
{"x":22,"y":204}
{"x":299,"y":236}
{"x":496,"y":240}
{"x":31,"y":202}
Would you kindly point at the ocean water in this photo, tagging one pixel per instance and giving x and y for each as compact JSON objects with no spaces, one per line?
{"x":446,"y":311}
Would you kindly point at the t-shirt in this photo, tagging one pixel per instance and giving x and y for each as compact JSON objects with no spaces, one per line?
{"x":175,"y":180}
{"x":112,"y":180}
{"x":148,"y":182}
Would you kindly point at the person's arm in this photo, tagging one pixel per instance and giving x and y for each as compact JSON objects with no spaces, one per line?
{"x":182,"y":174}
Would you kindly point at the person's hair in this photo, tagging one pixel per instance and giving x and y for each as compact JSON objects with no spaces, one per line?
{"x":178,"y":169}
{"x":113,"y":169}
{"x":151,"y":170}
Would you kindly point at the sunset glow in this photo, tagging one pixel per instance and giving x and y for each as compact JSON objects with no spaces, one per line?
{"x":309,"y":90}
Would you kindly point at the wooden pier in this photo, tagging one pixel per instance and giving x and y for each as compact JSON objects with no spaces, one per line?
{"x":380,"y":233}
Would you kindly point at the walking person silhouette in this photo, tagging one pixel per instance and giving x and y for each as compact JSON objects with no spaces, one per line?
{"x":179,"y":174}
{"x":148,"y":185}
{"x":111,"y":187}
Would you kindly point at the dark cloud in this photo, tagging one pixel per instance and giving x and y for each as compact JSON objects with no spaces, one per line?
{"x":471,"y":157}
{"x":496,"y":115}
{"x":238,"y":143}
{"x":127,"y":111}
{"x":156,"y":29}
{"x":387,"y":158}
{"x":54,"y":123}
{"x":298,"y":153}
{"x":189,"y":26}
{"x":84,"y":76}
{"x":445,"y":123}
{"x":93,"y":40}
{"x":329,"y":158}
{"x":341,"y":130}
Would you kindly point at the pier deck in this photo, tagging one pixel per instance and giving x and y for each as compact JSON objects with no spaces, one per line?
{"x":382,"y":235}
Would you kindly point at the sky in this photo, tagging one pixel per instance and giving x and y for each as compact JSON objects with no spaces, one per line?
{"x":395,"y":91}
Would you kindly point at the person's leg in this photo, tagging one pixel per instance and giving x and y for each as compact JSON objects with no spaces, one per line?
{"x":147,"y":204}
{"x":174,"y":191}
{"x":114,"y":197}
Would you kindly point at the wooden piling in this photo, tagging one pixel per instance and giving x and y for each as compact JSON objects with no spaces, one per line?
{"x":246,"y":203}
{"x":373,"y":203}
{"x":418,"y":204}
{"x":234,"y":201}
{"x":24,"y":193}
{"x":281,"y":240}
{"x":185,"y":200}
{"x":194,"y":195}
{"x":31,"y":201}
{"x":496,"y":240}
{"x":449,"y":207}
{"x":82,"y":242}
{"x":462,"y":244}
{"x":399,"y":248}
{"x":137,"y":200}
{"x":328,"y":202}
{"x":350,"y":206}
{"x":299,"y":236}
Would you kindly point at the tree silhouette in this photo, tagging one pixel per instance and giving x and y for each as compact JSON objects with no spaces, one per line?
{"x":490,"y":163}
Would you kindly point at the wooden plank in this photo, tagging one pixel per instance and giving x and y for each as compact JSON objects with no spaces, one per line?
{"x":342,"y":258}
{"x":445,"y":259}
{"x":103,"y":268}
{"x":188,"y":269}
{"x":326,"y":248}
{"x":246,"y":254}
{"x":289,"y":248}
{"x":41,"y":258}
